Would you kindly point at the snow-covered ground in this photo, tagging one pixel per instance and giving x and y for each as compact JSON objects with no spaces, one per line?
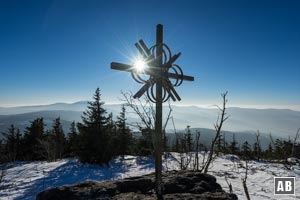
{"x":24,"y":180}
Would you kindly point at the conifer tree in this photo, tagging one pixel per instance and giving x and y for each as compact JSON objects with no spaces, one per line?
{"x":33,"y":134}
{"x":246,"y":150}
{"x":12,"y":139}
{"x":112,"y":136}
{"x":145,"y":143}
{"x":73,"y":140}
{"x":124,"y":134}
{"x":257,"y":147}
{"x":233,"y":149}
{"x":188,"y":139}
{"x":177,"y":144}
{"x":278,"y":152}
{"x":269,"y":152}
{"x":19,"y":145}
{"x":59,"y":138}
{"x":94,"y":146}
{"x":256,"y":151}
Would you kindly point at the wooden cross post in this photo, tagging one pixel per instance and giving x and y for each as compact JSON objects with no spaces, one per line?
{"x":158,"y":112}
{"x":158,"y":88}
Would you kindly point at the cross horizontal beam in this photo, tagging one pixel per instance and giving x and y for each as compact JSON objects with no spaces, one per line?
{"x":121,"y":66}
{"x":130,"y":68}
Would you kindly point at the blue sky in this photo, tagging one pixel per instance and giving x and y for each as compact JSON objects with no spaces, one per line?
{"x":60,"y":51}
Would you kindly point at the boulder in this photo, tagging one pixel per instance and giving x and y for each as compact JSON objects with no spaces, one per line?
{"x":179,"y":185}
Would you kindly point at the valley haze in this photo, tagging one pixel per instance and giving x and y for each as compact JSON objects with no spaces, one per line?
{"x":279,"y":122}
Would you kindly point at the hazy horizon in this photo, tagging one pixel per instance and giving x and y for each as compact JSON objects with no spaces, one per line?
{"x":207,"y":106}
{"x":277,"y":121}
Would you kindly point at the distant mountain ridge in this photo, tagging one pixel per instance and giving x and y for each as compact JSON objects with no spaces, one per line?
{"x":77,"y":106}
{"x":279,"y":122}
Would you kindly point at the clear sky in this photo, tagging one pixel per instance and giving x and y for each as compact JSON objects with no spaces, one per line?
{"x":60,"y":51}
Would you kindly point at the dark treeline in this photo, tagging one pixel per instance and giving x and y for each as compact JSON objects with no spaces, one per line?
{"x":278,"y":150}
{"x":99,"y":138}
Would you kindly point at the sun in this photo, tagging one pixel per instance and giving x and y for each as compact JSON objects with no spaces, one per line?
{"x":139,"y":65}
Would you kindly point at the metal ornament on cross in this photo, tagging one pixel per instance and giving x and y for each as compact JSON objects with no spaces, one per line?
{"x":158,"y":86}
{"x":165,"y":71}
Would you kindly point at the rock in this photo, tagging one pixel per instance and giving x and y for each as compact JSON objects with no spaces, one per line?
{"x":176,"y":185}
{"x":192,"y":182}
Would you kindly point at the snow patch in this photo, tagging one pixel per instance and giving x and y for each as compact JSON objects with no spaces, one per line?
{"x":24,"y":180}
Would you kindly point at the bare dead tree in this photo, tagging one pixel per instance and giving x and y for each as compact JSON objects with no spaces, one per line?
{"x":196,"y":160}
{"x":145,"y":110}
{"x":165,"y":139}
{"x":272,"y":139}
{"x":294,"y":143}
{"x":169,"y":115}
{"x":222,"y":117}
{"x":47,"y":149}
{"x":244,"y":181}
{"x":185,"y":160}
{"x":258,"y":145}
{"x":185,"y":157}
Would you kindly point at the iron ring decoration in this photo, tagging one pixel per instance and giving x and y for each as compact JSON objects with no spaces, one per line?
{"x":167,"y":55}
{"x":138,"y":78}
{"x":178,"y":71}
{"x":152,"y":96}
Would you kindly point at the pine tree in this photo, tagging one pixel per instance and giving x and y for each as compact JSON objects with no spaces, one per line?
{"x":278,"y":152}
{"x":257,"y":147}
{"x":32,"y":137}
{"x":19,"y":145}
{"x":124,"y":134}
{"x":144,"y":144}
{"x":287,"y":149}
{"x":2,"y":152}
{"x":177,"y":144}
{"x":256,"y":151}
{"x":188,"y":139}
{"x":246,"y":150}
{"x":233,"y":149}
{"x":73,"y":140}
{"x":269,"y":152}
{"x":12,"y":139}
{"x":94,"y":146}
{"x":59,"y":138}
{"x":112,"y":136}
